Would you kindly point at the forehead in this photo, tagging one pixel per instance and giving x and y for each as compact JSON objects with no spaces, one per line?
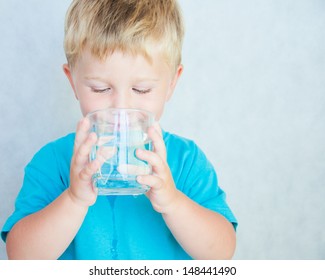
{"x":153,"y":57}
{"x":119,"y":66}
{"x":149,"y":48}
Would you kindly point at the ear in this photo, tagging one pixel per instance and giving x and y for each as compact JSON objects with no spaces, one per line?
{"x":178,"y":73}
{"x":67,"y":72}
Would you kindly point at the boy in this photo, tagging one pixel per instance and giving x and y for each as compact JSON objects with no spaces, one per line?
{"x":121,"y":54}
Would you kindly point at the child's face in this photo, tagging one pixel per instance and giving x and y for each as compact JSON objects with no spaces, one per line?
{"x":122,"y":81}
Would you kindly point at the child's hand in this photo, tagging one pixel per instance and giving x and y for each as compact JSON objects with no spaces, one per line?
{"x":163,"y":192}
{"x":81,"y":170}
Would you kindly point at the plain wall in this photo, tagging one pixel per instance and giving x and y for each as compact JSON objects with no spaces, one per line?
{"x":252,"y":96}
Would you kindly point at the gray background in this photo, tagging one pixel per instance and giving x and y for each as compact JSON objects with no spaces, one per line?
{"x":252,"y":96}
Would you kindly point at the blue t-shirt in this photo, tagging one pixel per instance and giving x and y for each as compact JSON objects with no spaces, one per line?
{"x":120,"y":227}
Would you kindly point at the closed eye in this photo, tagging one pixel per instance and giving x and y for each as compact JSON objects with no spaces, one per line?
{"x":141,"y":91}
{"x":100,"y":90}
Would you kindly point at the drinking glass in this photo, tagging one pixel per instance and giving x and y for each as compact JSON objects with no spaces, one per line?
{"x":119,"y":133}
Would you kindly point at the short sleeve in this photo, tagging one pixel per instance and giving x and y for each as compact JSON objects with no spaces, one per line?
{"x":195,"y":176}
{"x":41,"y":185}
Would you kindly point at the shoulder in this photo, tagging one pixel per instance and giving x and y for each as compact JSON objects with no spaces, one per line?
{"x":186,"y":160}
{"x":185,"y":149}
{"x":62,"y":143}
{"x":59,"y":147}
{"x":53,"y":160}
{"x":175,"y":142}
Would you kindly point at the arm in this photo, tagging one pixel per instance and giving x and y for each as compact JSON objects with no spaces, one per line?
{"x":47,"y":233}
{"x":204,"y":234}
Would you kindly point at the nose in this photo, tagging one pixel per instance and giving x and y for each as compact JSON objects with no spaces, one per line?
{"x":121,"y":100}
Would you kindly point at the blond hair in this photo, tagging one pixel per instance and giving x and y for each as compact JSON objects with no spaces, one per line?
{"x":132,"y":26}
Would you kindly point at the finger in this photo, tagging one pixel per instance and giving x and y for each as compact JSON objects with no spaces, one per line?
{"x":157,"y":127}
{"x":87,"y":172}
{"x":104,"y":153}
{"x":158,"y":142}
{"x":133,"y":169}
{"x":157,"y":163}
{"x":105,"y":139}
{"x":82,"y":154}
{"x":81,"y":132}
{"x":150,"y":180}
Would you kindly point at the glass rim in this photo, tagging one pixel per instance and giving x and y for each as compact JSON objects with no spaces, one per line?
{"x":150,"y":115}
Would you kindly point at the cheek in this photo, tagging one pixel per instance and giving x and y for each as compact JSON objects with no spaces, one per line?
{"x":159,"y":113}
{"x":157,"y":104}
{"x":88,"y":105}
{"x":157,"y":109}
{"x":85,"y":108}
